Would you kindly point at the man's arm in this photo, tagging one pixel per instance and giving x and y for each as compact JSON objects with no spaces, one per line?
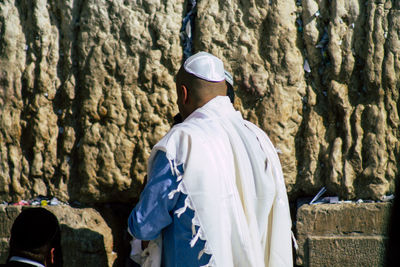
{"x":152,"y":213}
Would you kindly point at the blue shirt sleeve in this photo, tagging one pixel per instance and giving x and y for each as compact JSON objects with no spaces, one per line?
{"x":152,"y":213}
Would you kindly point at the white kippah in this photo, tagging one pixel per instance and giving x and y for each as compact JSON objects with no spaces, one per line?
{"x":205,"y":66}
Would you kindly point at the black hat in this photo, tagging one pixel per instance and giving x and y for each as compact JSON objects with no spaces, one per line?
{"x":34,"y":228}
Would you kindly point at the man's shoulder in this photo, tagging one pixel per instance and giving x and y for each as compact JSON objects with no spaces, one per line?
{"x":251,"y":125}
{"x":181,"y":130}
{"x":254,"y":127}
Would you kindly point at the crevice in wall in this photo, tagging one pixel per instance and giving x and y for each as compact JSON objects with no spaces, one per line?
{"x":188,"y":28}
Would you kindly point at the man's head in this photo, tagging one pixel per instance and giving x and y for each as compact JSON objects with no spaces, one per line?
{"x":200,"y":79}
{"x":36,"y":235}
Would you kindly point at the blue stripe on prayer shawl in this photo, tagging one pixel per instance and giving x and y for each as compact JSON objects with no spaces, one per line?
{"x":155,"y":212}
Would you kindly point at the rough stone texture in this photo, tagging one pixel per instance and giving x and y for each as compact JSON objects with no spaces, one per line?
{"x":3,"y":249}
{"x":337,"y":125}
{"x":7,"y":217}
{"x":342,"y":234}
{"x":346,"y":251}
{"x":87,"y":88}
{"x":86,"y":239}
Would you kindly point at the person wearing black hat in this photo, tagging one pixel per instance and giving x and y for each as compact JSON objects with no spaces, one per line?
{"x":35,"y":240}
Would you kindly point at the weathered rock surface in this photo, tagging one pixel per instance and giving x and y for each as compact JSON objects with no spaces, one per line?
{"x":87,"y":88}
{"x":322,"y":78}
{"x":86,"y":239}
{"x":342,"y":234}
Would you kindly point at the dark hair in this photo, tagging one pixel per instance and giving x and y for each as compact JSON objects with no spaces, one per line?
{"x":34,"y":233}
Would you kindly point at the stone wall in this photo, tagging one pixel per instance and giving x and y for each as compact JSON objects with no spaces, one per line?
{"x":342,"y":234}
{"x":87,"y":88}
{"x":347,"y":234}
{"x":322,"y":79}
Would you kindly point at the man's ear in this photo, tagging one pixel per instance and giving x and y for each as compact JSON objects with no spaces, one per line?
{"x":184,"y":94}
{"x":52,"y":256}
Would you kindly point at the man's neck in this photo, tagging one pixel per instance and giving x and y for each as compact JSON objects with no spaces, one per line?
{"x":199,"y":103}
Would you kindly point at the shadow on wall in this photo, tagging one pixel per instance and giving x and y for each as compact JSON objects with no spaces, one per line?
{"x":392,"y":252}
{"x":82,"y":247}
{"x":3,"y":249}
{"x":116,"y":216}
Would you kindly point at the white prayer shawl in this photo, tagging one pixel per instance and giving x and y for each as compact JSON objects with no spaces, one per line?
{"x":234,"y":183}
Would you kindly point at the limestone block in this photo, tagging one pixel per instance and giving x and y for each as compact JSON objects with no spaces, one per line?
{"x":3,"y":249}
{"x":7,"y":217}
{"x":357,"y":251}
{"x":86,"y":239}
{"x":87,"y":88}
{"x":339,"y":231}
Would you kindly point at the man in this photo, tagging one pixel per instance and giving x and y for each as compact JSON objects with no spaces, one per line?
{"x":35,"y":239}
{"x":216,"y":191}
